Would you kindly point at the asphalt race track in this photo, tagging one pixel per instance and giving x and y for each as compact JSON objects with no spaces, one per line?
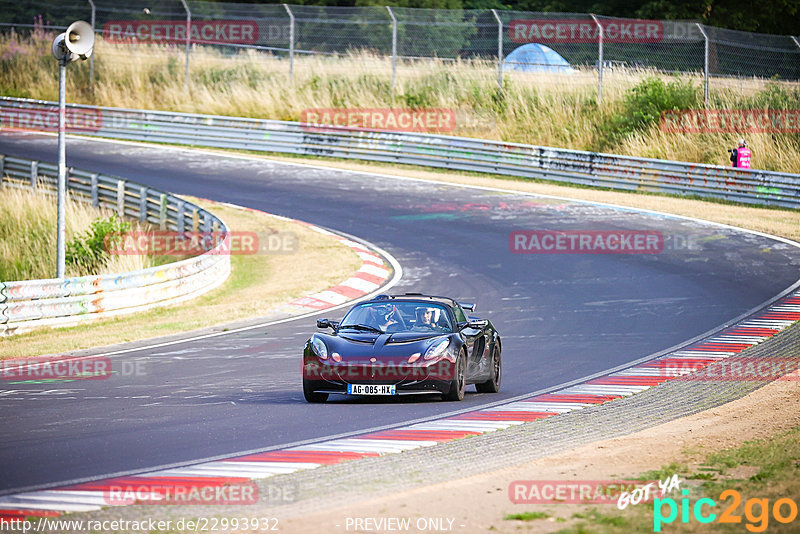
{"x":561,"y":316}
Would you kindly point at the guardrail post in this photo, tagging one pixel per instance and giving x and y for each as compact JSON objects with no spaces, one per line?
{"x":599,"y":60}
{"x":181,"y":223}
{"x":2,"y":168}
{"x":95,"y":194}
{"x":188,"y":44}
{"x":142,"y":204}
{"x":291,"y":41}
{"x":195,"y":221}
{"x":394,"y":46}
{"x":705,"y":68}
{"x":121,"y":198}
{"x":499,"y":49}
{"x":162,"y":212}
{"x":34,"y":174}
{"x":91,"y":58}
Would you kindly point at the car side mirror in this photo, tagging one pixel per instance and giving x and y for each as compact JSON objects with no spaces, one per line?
{"x":473,"y":323}
{"x":326,"y":323}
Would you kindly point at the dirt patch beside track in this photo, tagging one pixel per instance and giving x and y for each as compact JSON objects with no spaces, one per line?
{"x":480,"y":503}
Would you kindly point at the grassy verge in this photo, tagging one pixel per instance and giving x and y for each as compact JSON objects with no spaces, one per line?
{"x":543,"y":109}
{"x":258,"y":283}
{"x":762,"y":472}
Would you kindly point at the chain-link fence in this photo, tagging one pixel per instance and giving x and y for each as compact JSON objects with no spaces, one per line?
{"x":564,"y":44}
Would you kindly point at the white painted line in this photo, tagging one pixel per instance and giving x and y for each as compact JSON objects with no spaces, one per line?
{"x":65,"y":496}
{"x":374,"y":270}
{"x":476,"y":425}
{"x":26,"y":504}
{"x":331,"y":297}
{"x":360,"y":284}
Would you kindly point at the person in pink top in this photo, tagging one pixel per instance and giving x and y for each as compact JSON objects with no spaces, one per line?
{"x":740,"y":157}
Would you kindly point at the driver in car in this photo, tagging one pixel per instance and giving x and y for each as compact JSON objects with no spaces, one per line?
{"x":427,"y":319}
{"x":388,"y":319}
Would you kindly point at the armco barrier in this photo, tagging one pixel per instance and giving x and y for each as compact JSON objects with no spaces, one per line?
{"x":457,"y":153}
{"x":57,"y":302}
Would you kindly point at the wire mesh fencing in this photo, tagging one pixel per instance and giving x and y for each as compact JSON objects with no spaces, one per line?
{"x":569,"y":48}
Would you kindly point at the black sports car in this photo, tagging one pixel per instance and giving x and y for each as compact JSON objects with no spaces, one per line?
{"x":403,"y":344}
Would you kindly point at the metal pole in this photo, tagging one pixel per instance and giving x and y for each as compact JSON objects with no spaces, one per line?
{"x":599,"y":60}
{"x":91,"y":59}
{"x":394,"y":46}
{"x":62,"y":168}
{"x":188,"y":42}
{"x":291,"y":41}
{"x":499,"y":49}
{"x":705,"y":36}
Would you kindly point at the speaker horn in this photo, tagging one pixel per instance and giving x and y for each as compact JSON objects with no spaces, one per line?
{"x":79,"y":39}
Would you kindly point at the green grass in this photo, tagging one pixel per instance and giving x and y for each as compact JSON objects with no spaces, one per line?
{"x":776,"y":461}
{"x":527,"y":516}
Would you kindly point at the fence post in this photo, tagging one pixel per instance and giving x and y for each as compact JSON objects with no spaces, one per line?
{"x":188,"y":43}
{"x":91,"y":58}
{"x":121,"y":198}
{"x":162,"y":212}
{"x":394,"y":46}
{"x":291,"y":41}
{"x":95,"y":194}
{"x":705,"y":68}
{"x":142,"y":204}
{"x":499,"y":49}
{"x":180,"y":223}
{"x":2,"y":168}
{"x":599,"y":60}
{"x":34,"y":174}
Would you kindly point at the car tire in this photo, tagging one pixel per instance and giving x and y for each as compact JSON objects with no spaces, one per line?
{"x":493,"y":384}
{"x":459,"y":383}
{"x":311,"y":395}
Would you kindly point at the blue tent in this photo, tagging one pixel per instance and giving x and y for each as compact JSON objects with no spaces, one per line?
{"x":535,"y":57}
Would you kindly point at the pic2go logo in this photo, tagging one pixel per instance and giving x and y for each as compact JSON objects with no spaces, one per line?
{"x":756,"y":511}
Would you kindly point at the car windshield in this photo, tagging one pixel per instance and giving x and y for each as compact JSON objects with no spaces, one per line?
{"x":393,"y":317}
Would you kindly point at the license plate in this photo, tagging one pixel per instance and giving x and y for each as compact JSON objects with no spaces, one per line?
{"x":371,"y":389}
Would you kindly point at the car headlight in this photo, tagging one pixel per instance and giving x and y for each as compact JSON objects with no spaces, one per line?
{"x":319,"y":348}
{"x":437,"y":350}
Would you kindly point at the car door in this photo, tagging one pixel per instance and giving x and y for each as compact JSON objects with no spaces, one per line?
{"x":472,"y":339}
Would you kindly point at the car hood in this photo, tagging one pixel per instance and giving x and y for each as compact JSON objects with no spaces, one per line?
{"x":359,"y":345}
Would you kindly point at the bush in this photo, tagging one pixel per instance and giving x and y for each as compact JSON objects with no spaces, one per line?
{"x":643,"y":105}
{"x":86,"y":252}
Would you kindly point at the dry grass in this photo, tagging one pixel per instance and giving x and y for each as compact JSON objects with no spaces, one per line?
{"x":28,"y":236}
{"x":542,"y":109}
{"x":258,"y":283}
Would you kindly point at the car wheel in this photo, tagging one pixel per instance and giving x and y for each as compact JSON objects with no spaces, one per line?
{"x":311,"y":395}
{"x":459,"y":382}
{"x":493,"y":384}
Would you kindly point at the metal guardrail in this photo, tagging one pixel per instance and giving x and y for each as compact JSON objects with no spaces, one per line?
{"x":458,"y":153}
{"x":58,"y":302}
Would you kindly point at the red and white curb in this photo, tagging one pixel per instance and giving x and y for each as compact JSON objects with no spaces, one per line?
{"x":92,"y":496}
